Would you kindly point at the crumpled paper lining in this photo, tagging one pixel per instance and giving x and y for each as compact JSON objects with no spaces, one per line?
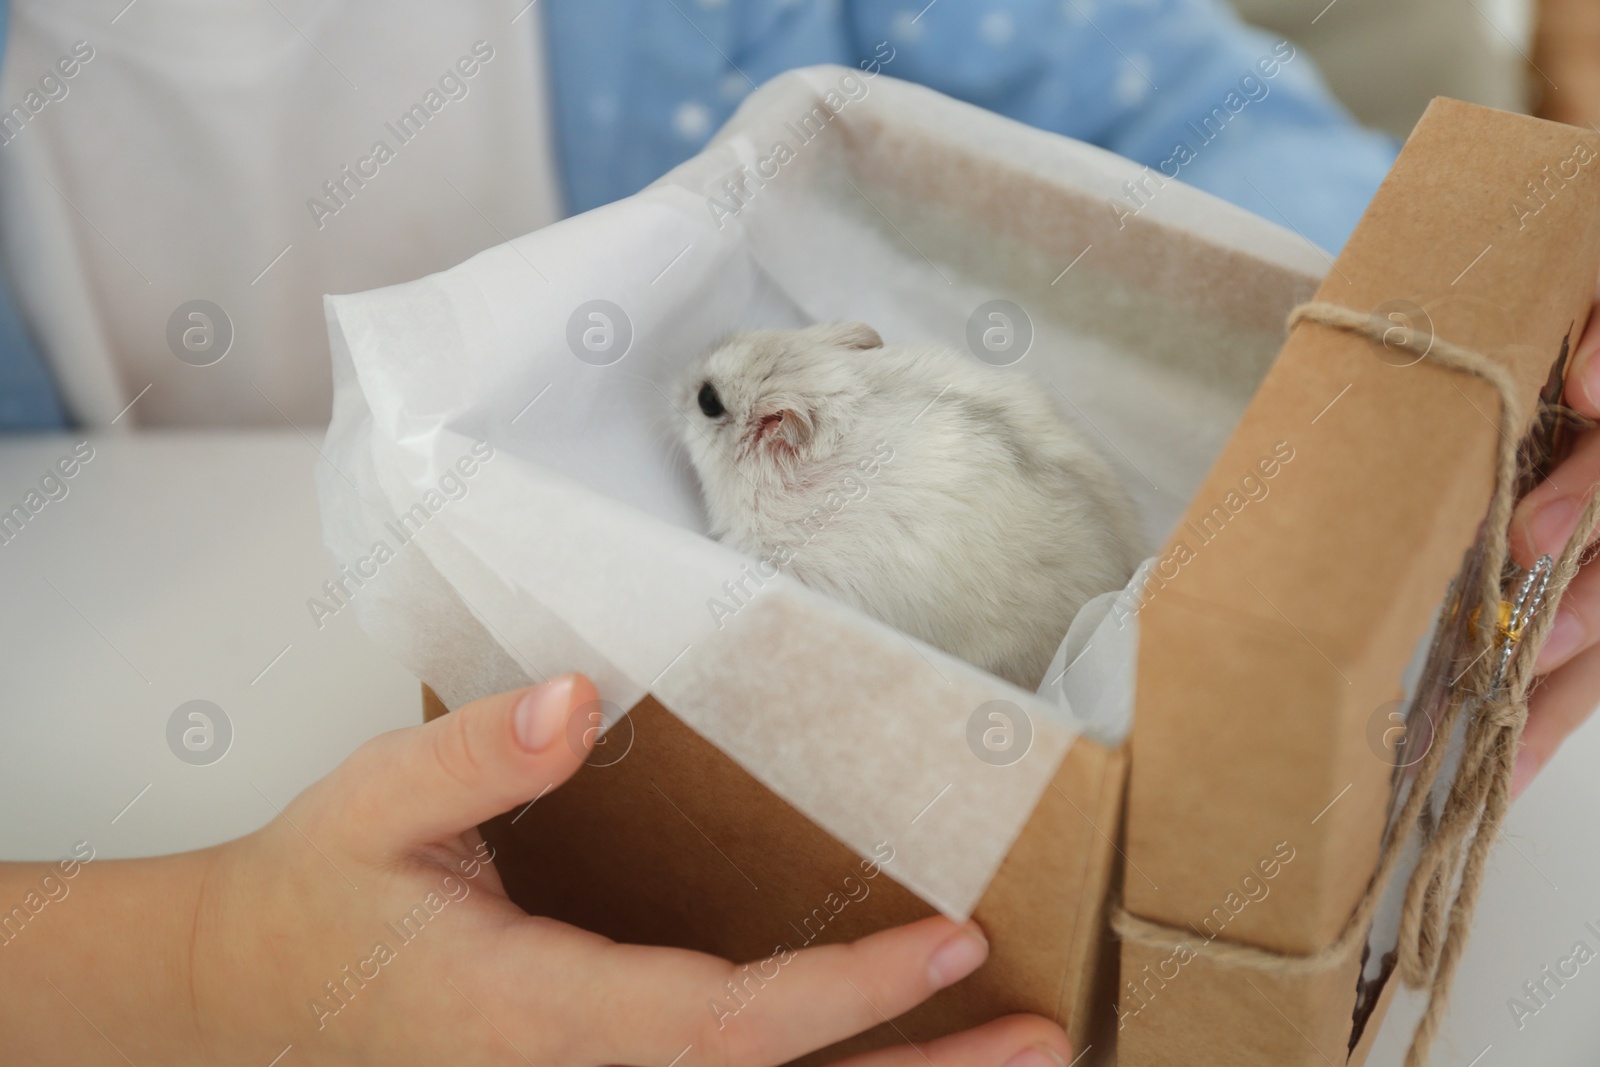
{"x":580,"y":545}
{"x":1092,"y":669}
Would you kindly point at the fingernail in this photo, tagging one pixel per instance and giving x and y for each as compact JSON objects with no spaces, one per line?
{"x":1589,"y":376}
{"x":1551,"y":526}
{"x":1522,"y":771}
{"x":1037,"y":1056}
{"x":542,"y":712}
{"x":958,"y":957}
{"x":1566,"y":635}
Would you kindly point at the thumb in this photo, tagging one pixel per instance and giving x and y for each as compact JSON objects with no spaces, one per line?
{"x":427,"y":783}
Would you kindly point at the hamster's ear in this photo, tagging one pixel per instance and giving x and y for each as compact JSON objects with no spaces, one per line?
{"x":848,"y":335}
{"x":783,"y":427}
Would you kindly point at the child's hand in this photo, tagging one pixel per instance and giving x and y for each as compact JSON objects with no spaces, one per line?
{"x":363,"y":926}
{"x":1543,"y":522}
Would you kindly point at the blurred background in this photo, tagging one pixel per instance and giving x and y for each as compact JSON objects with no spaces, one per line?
{"x":168,"y":154}
{"x":180,"y":182}
{"x":1385,"y":59}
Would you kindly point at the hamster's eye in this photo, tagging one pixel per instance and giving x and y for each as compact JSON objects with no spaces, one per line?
{"x":710,"y":402}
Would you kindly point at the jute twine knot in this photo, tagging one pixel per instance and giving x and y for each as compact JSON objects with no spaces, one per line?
{"x":1455,"y":841}
{"x":1502,"y":713}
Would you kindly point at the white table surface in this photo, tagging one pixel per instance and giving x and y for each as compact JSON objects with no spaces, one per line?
{"x":178,"y":568}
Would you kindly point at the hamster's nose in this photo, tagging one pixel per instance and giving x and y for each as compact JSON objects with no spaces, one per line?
{"x":710,"y":402}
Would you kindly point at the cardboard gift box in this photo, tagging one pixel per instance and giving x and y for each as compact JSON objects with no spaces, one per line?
{"x":776,"y":770}
{"x":1271,"y":662}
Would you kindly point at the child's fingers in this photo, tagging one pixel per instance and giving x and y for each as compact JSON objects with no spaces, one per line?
{"x":1013,"y":1041}
{"x":1577,"y":623}
{"x":712,"y":1012}
{"x":1561,"y":703}
{"x":1548,"y":515}
{"x":1583,"y":380}
{"x":428,"y":783}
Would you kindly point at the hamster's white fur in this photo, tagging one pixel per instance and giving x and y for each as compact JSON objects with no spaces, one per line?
{"x":944,"y":496}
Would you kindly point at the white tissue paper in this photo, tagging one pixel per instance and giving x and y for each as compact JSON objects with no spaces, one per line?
{"x":506,"y":497}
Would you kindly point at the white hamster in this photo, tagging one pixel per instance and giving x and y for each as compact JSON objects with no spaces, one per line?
{"x":942,"y":495}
